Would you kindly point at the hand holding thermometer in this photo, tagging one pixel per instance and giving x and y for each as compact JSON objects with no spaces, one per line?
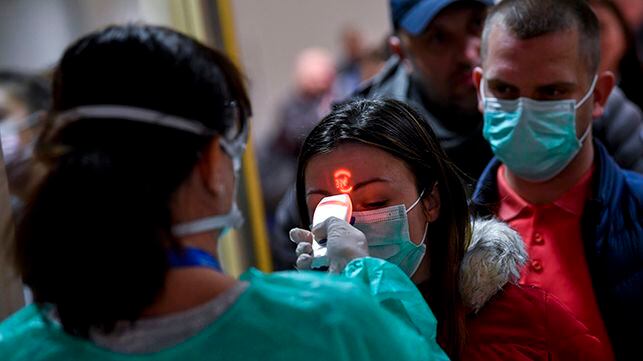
{"x":339,"y":206}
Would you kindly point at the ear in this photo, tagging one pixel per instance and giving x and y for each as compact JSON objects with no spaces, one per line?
{"x":431,"y":204}
{"x":604,"y":85}
{"x":207,"y":166}
{"x":395,"y":45}
{"x":477,"y":81}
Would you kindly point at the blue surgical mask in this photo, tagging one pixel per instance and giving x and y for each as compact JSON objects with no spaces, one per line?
{"x":387,"y":235}
{"x":535,"y":139}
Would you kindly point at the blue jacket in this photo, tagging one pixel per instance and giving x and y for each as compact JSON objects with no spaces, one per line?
{"x":612,"y":229}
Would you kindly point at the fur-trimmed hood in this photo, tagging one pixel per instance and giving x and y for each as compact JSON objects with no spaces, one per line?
{"x":494,"y":258}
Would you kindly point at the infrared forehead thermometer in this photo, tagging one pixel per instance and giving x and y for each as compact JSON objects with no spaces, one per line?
{"x":339,"y":206}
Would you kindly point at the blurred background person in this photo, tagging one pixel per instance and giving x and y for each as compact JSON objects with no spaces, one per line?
{"x":373,"y":60}
{"x":619,"y":52}
{"x":22,"y":97}
{"x":349,"y":74}
{"x":436,"y":45}
{"x":620,"y":128}
{"x":633,"y":13}
{"x":358,"y":62}
{"x":310,"y":99}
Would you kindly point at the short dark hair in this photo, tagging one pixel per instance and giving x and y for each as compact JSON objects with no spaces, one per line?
{"x":400,"y":130}
{"x":94,"y":237}
{"x":528,"y":19}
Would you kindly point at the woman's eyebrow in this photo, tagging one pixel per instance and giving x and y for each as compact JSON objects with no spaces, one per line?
{"x":317,"y":191}
{"x":355,"y":187}
{"x":370,"y":181}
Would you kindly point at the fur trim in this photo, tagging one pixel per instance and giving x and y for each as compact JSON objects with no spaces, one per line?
{"x":494,"y":258}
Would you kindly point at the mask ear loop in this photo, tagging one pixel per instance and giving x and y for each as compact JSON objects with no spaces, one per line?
{"x":426,"y":231}
{"x":416,"y":202}
{"x":580,"y":104}
{"x":426,"y":227}
{"x":589,"y":93}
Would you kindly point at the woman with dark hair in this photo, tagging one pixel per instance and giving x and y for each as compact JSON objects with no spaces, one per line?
{"x":411,"y":207}
{"x":119,"y":241}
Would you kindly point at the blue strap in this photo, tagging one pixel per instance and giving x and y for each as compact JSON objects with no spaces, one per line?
{"x":193,"y":257}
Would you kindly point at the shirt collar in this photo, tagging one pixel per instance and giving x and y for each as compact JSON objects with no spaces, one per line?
{"x":511,"y":204}
{"x":572,"y":201}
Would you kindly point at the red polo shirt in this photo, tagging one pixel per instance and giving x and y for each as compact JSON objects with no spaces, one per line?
{"x":552,"y":233}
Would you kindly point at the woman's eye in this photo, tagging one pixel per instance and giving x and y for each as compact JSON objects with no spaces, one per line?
{"x":378,"y":204}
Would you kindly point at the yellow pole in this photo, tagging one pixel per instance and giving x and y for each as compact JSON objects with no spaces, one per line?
{"x":188,"y":17}
{"x":256,"y":211}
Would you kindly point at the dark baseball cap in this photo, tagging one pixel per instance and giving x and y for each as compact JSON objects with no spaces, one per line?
{"x":414,"y":15}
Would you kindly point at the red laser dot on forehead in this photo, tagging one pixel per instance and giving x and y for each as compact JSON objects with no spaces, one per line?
{"x":343,"y":181}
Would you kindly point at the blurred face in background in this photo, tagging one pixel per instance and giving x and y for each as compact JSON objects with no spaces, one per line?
{"x":314,"y":72}
{"x":18,"y":132}
{"x":633,"y":12}
{"x":444,"y":55}
{"x":11,"y":107}
{"x":13,"y":131}
{"x":352,"y":44}
{"x":613,"y":43}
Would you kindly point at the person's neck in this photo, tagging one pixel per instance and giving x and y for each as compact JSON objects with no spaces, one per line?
{"x":423,"y":272}
{"x":206,"y":241}
{"x":189,"y":287}
{"x":549,"y":191}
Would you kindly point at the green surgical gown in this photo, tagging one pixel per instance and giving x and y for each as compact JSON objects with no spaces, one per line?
{"x":373,"y":312}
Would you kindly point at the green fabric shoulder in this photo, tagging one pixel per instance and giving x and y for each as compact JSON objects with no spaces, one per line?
{"x":281,"y":316}
{"x":393,"y":289}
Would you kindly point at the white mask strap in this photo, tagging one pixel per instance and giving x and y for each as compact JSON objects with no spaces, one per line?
{"x":585,"y":134}
{"x":426,"y":230}
{"x":416,"y":202}
{"x":133,"y":114}
{"x":482,"y":83}
{"x":233,"y":219}
{"x":589,"y":93}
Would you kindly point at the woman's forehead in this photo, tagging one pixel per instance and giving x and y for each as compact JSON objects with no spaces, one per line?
{"x":351,"y":164}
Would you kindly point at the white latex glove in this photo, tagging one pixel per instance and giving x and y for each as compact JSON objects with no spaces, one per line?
{"x":304,"y":251}
{"x":344,"y":243}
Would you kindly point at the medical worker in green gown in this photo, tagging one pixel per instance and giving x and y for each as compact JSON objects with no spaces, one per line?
{"x":143,"y":145}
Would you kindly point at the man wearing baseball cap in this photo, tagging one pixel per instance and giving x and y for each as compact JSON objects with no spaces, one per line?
{"x":436,"y":45}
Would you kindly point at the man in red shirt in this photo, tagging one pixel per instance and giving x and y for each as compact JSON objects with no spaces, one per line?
{"x":539,"y":90}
